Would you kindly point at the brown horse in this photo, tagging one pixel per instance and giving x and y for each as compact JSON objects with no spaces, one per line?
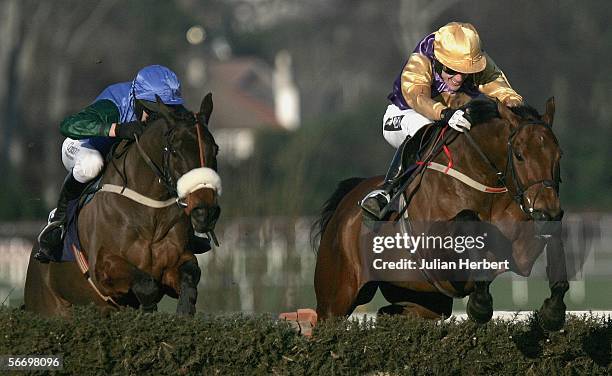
{"x":136,"y":247}
{"x":519,"y":139}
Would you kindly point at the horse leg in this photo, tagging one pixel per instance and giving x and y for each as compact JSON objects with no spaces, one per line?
{"x":189,"y":277}
{"x":552,"y":312}
{"x":408,"y":308}
{"x":429,"y":305}
{"x":146,"y":289}
{"x":480,"y":304}
{"x":39,"y":296}
{"x":116,"y":277}
{"x":337,"y":286}
{"x":343,"y":300}
{"x":338,"y":294}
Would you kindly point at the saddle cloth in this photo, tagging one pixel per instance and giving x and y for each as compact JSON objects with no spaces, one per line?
{"x":71,"y":236}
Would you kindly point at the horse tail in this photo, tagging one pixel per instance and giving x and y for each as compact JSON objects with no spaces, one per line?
{"x":319,"y":225}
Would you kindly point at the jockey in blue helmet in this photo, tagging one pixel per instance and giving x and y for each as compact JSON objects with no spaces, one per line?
{"x":117,"y":113}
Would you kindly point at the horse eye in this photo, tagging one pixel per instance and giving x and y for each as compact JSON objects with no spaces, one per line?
{"x":518,"y":156}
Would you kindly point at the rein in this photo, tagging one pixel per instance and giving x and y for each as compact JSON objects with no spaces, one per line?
{"x":500,"y":176}
{"x":519,"y":194}
{"x":160,"y":172}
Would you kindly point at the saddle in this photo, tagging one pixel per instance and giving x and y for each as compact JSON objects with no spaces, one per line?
{"x":415,"y":156}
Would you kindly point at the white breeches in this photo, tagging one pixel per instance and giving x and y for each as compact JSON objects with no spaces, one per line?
{"x":398,"y":124}
{"x":80,"y":157}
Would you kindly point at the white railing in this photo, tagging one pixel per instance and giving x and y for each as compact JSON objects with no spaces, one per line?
{"x":14,"y":255}
{"x":268,"y":262}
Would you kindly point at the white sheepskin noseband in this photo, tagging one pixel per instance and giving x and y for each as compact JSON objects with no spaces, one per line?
{"x":197,"y":178}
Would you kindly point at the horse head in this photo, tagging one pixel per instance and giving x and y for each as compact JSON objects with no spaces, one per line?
{"x":533,"y":156}
{"x":189,"y":164}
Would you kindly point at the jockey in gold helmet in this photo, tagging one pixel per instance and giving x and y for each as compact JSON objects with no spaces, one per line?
{"x":445,"y":71}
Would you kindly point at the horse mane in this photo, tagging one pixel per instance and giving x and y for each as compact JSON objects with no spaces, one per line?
{"x":526,"y":112}
{"x":178,"y":113}
{"x":484,"y":109}
{"x":184,"y":115}
{"x":319,"y":225}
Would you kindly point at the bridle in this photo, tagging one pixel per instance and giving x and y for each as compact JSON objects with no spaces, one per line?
{"x":519,"y":190}
{"x":164,"y":173}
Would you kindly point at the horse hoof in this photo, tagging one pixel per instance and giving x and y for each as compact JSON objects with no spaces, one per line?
{"x":480,"y":310}
{"x":303,"y":321}
{"x":149,"y":308}
{"x":393,"y":309}
{"x":551,"y":316}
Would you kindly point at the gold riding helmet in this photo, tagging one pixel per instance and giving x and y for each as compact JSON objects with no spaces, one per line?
{"x":457,"y":46}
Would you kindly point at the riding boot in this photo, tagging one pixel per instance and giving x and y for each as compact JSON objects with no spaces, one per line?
{"x":374,"y":202}
{"x":51,"y":237}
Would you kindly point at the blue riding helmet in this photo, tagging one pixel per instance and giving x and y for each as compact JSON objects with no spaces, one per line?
{"x":157,"y":80}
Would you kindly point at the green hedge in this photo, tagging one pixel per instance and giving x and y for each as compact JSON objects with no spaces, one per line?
{"x":131,"y":342}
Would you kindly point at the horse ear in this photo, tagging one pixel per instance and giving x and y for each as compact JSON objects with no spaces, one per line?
{"x":549,"y":113}
{"x":164,"y":111}
{"x":507,"y":114}
{"x":206,"y":108}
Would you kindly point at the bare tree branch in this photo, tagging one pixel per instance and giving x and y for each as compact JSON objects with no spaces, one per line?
{"x":416,"y":18}
{"x":31,"y":38}
{"x":93,"y":21}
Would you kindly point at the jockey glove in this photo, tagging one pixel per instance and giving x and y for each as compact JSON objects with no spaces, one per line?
{"x":127,"y":130}
{"x":456,"y":119}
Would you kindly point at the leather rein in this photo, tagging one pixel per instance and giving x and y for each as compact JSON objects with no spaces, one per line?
{"x":519,"y":192}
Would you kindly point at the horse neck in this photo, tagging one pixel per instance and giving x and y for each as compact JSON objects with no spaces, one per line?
{"x":492,"y":139}
{"x":140,"y":177}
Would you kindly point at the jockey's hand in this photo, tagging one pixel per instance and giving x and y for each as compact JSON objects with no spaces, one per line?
{"x":127,"y":130}
{"x":456,"y":119}
{"x":513,"y":102}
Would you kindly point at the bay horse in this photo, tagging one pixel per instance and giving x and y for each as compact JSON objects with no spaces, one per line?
{"x":519,"y":139}
{"x":134,"y":238}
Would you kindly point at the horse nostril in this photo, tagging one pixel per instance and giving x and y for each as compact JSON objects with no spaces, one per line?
{"x":198,"y":212}
{"x":540,"y":215}
{"x":203,"y":218}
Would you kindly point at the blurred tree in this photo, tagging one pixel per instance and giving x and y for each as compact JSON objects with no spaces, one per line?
{"x":415,"y":20}
{"x":55,"y":57}
{"x":293,"y":174}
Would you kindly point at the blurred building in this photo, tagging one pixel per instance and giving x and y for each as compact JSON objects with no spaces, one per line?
{"x":249,"y":95}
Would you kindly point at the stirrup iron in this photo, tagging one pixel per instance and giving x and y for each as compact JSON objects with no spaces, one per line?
{"x":374,"y":195}
{"x":51,"y":226}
